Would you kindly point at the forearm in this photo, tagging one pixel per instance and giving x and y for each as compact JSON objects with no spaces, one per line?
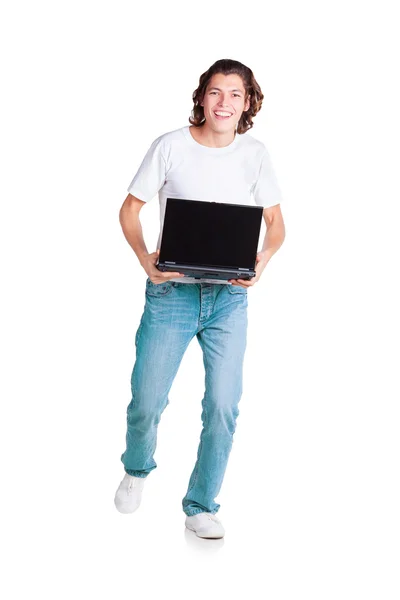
{"x":132,"y":229}
{"x":274,"y":238}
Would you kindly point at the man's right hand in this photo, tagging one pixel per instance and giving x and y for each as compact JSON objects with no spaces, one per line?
{"x":156,"y":276}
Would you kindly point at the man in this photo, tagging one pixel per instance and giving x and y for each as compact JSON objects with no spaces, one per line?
{"x":211,"y":161}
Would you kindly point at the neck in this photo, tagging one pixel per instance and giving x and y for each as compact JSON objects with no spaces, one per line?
{"x":214,"y":139}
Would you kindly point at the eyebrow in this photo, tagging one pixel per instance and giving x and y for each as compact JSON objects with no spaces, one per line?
{"x":233,"y":90}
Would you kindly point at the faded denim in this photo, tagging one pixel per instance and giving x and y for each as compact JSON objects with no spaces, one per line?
{"x":173,"y":314}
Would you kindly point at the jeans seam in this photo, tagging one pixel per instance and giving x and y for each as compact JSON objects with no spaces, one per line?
{"x":139,"y":332}
{"x":138,"y":335}
{"x":201,"y":445}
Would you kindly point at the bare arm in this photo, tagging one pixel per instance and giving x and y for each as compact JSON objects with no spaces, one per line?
{"x":132,"y":229}
{"x":131,"y":226}
{"x":275,"y":233}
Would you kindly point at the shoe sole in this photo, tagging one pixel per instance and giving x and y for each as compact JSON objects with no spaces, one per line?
{"x":207,"y":537}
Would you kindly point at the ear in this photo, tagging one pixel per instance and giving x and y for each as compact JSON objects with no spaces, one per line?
{"x":247,"y":105}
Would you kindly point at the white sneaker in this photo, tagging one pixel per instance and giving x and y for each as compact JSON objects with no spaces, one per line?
{"x":129,"y":494}
{"x":205,"y":525}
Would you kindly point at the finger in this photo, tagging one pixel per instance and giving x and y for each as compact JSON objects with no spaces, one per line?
{"x":169,"y":275}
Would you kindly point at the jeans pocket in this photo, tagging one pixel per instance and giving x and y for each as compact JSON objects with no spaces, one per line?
{"x":158,"y":289}
{"x":236,"y":289}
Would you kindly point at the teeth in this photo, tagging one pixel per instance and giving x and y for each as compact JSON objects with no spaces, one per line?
{"x":223,"y":114}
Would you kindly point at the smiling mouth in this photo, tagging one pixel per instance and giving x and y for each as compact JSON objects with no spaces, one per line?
{"x":222,"y":117}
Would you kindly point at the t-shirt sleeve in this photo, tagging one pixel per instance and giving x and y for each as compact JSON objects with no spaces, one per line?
{"x":151,"y":174}
{"x":266,"y":189}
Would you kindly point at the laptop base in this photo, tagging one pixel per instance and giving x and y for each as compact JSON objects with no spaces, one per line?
{"x":210,"y":273}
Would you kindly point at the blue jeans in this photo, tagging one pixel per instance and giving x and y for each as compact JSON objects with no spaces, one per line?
{"x":173,"y":314}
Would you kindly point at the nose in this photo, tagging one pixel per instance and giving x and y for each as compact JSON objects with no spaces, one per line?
{"x":222,"y":101}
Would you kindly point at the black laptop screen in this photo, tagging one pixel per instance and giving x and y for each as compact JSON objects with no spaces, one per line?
{"x":210,"y":233}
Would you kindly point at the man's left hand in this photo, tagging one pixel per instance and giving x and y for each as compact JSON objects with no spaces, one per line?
{"x":261,"y":262}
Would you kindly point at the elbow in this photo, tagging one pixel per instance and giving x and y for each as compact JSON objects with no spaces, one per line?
{"x":129,"y":208}
{"x":121,"y":215}
{"x":124,"y":215}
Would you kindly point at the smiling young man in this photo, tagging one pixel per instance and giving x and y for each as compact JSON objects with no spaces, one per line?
{"x":211,"y":160}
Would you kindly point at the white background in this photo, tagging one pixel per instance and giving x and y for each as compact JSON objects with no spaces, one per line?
{"x":311,"y":493}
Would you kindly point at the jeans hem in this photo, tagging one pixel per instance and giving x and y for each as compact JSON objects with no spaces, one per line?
{"x":136,"y":473}
{"x":196,"y":511}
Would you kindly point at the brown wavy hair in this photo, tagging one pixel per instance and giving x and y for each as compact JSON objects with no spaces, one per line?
{"x":252,"y":89}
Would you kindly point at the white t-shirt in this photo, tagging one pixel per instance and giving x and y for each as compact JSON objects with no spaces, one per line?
{"x":177,"y":166}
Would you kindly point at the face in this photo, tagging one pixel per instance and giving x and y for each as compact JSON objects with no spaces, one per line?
{"x":227,"y":98}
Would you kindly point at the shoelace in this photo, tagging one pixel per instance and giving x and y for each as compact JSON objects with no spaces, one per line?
{"x":131,"y":485}
{"x":212,"y":517}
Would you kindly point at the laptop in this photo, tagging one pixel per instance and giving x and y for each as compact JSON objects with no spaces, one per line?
{"x":210,"y":240}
